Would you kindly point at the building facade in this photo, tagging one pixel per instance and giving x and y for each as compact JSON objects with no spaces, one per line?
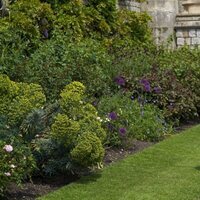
{"x":173,"y":21}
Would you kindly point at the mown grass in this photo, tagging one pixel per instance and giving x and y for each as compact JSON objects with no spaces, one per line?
{"x":169,"y":170}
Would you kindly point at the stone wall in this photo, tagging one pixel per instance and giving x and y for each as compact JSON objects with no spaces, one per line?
{"x":187,"y":29}
{"x":190,"y":37}
{"x":130,"y":5}
{"x":163,"y":14}
{"x":174,"y":21}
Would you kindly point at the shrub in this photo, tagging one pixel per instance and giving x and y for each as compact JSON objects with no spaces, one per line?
{"x":89,"y":150}
{"x":17,"y":163}
{"x":173,"y":80}
{"x":29,"y":23}
{"x":18,"y":99}
{"x":185,"y":64}
{"x":71,"y":62}
{"x":162,"y":88}
{"x":126,"y":118}
{"x":78,"y":128}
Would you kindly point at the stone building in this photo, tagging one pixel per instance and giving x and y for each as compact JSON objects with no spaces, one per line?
{"x":176,"y":21}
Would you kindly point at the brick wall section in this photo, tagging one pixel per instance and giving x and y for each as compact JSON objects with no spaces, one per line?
{"x":190,"y":37}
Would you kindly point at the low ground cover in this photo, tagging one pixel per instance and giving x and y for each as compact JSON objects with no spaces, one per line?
{"x":168,"y":170}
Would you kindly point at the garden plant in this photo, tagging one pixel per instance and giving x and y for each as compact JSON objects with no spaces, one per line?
{"x":80,"y":77}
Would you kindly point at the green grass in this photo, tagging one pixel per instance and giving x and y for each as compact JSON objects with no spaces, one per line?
{"x":169,"y":170}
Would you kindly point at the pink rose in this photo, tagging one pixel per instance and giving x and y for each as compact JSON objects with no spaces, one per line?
{"x":8,"y":148}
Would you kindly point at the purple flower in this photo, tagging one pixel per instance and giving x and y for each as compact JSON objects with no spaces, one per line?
{"x":146,"y":85}
{"x":157,"y":90}
{"x":144,"y":82}
{"x":147,"y":88}
{"x":112,"y":115}
{"x":122,"y":131}
{"x":120,"y":81}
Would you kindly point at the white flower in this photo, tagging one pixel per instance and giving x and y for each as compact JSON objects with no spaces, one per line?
{"x":107,"y":119}
{"x":8,"y":148}
{"x":12,"y":166}
{"x":99,"y":118}
{"x":7,"y":126}
{"x":7,"y":173}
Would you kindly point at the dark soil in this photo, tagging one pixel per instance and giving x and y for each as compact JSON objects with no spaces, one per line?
{"x":187,"y":124}
{"x":114,"y":154}
{"x":38,"y":187}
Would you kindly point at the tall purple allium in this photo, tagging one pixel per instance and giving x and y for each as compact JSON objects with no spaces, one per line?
{"x":119,"y":80}
{"x":146,"y":85}
{"x":144,"y":81}
{"x":157,"y":90}
{"x":45,"y":33}
{"x":112,"y":115}
{"x":147,"y":88}
{"x":122,"y":131}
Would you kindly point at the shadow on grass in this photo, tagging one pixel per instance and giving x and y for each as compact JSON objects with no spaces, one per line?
{"x":197,"y":168}
{"x":89,"y":178}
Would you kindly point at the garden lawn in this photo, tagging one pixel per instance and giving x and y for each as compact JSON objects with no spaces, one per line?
{"x":169,"y":170}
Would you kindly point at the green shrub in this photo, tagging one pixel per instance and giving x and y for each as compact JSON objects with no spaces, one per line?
{"x":167,"y":92}
{"x":173,"y":80}
{"x":126,"y":118}
{"x":185,"y":64}
{"x":65,"y":130}
{"x":18,"y":99}
{"x":17,"y":163}
{"x":101,"y":20}
{"x":89,"y":150}
{"x":21,"y":32}
{"x":31,"y":18}
{"x":71,"y":62}
{"x":78,"y":127}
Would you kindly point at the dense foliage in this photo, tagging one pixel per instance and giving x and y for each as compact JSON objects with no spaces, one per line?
{"x":105,"y":83}
{"x":17,"y":163}
{"x":18,"y":99}
{"x":126,"y":117}
{"x":78,"y":127}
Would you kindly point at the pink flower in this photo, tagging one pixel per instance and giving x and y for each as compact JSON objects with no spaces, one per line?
{"x":8,"y":148}
{"x":7,"y":173}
